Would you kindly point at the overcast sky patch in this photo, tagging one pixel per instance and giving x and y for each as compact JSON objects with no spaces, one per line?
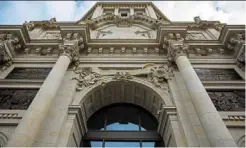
{"x":17,"y":12}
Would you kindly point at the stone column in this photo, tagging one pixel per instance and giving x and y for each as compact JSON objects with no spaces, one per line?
{"x":217,"y":132}
{"x":29,"y":126}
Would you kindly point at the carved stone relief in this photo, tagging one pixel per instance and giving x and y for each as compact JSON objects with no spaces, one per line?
{"x":144,"y":33}
{"x":5,"y":60}
{"x":241,"y":61}
{"x":29,"y":73}
{"x":157,"y":75}
{"x":195,"y":36}
{"x":228,"y":101}
{"x":101,"y":33}
{"x":52,"y":35}
{"x":16,"y":98}
{"x":122,"y":76}
{"x":206,"y":74}
{"x":86,"y":78}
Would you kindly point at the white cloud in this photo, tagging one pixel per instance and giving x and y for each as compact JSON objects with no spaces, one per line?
{"x":231,"y":12}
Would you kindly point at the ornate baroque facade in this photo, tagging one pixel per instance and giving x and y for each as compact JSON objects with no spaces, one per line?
{"x":189,"y":76}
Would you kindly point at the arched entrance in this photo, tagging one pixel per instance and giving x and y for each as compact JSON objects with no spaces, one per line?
{"x":122,"y":125}
{"x":136,"y":92}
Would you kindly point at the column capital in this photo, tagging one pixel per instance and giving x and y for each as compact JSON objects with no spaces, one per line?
{"x":174,"y":51}
{"x":72,"y":43}
{"x":71,"y":51}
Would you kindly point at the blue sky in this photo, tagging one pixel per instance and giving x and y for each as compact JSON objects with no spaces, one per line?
{"x":17,"y":12}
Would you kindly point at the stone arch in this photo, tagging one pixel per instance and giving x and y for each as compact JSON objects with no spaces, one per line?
{"x":3,"y":139}
{"x":140,"y":92}
{"x":241,"y":141}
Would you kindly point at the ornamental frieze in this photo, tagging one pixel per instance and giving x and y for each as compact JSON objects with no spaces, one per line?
{"x":17,"y":99}
{"x":228,"y":101}
{"x":157,"y":75}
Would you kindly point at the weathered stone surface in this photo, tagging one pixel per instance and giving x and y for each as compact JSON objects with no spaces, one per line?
{"x":206,"y":74}
{"x":29,"y":73}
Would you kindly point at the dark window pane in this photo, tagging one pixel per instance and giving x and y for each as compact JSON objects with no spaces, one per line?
{"x":96,"y":121}
{"x":148,"y":144}
{"x":121,"y":144}
{"x":122,"y":117}
{"x":147,"y":122}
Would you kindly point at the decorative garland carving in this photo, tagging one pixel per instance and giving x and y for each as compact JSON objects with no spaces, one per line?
{"x":157,"y":75}
{"x":86,"y":78}
{"x":122,"y":76}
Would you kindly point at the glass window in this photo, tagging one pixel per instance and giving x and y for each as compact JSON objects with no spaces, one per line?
{"x":122,"y":118}
{"x":96,"y":143}
{"x":121,"y":144}
{"x":148,"y":144}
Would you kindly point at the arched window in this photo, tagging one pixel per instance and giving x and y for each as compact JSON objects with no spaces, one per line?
{"x":122,"y":125}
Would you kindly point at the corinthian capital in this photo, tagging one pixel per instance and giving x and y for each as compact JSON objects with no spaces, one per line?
{"x":71,"y":51}
{"x":174,"y":51}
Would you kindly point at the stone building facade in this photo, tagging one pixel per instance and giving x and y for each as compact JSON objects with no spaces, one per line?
{"x":189,"y":76}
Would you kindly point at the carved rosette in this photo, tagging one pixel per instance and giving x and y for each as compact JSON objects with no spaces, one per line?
{"x":86,"y":78}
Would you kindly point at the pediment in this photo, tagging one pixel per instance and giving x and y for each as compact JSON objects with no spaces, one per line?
{"x":123,"y":30}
